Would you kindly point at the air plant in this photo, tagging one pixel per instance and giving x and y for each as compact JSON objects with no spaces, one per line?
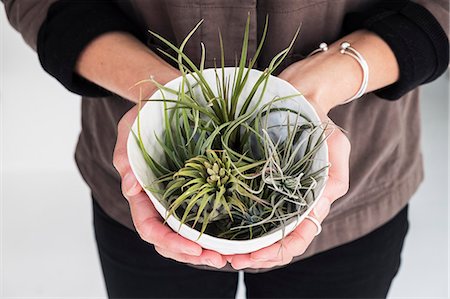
{"x":229,"y":170}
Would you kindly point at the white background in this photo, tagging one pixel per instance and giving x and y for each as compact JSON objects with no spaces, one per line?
{"x":47,"y":247}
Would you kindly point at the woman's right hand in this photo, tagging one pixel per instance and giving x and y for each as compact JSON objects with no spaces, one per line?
{"x":99,"y":63}
{"x":147,"y":221}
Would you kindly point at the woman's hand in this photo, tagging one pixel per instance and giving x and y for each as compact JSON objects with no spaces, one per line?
{"x":327,"y":79}
{"x":146,"y":219}
{"x":307,"y":76}
{"x":298,"y":240}
{"x":99,"y":63}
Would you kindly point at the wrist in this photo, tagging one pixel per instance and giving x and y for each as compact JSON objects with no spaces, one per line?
{"x":330,"y":78}
{"x":117,"y":61}
{"x":327,"y":79}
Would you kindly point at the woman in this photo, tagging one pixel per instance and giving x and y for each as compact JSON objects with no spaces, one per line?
{"x":99,"y":49}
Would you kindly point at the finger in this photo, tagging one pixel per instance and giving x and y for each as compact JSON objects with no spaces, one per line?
{"x":130,"y":185}
{"x":280,"y":253}
{"x":243,"y":261}
{"x":179,"y":257}
{"x":120,"y":156}
{"x":321,"y":209}
{"x":150,"y":227}
{"x":229,"y":258}
{"x":207,"y":257}
{"x":338,"y":175}
{"x":240,"y":261}
{"x":292,"y":245}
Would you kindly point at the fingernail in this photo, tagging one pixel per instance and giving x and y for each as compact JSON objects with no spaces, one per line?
{"x":322,"y":208}
{"x":130,"y":184}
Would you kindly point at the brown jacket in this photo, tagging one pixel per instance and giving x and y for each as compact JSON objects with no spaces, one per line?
{"x":386,"y":163}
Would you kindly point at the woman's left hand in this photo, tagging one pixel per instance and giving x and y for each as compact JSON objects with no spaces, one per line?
{"x":327,"y":79}
{"x":316,"y":78}
{"x":298,"y":240}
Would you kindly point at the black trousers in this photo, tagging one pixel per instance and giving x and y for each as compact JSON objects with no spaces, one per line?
{"x":363,"y":268}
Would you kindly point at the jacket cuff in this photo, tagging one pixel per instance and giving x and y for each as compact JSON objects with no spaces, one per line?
{"x":69,"y":27}
{"x":419,"y":43}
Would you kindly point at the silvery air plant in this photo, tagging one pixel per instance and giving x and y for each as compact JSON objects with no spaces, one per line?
{"x":234,"y":159}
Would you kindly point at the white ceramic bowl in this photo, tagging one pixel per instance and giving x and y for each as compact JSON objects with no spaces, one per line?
{"x":151,"y":118}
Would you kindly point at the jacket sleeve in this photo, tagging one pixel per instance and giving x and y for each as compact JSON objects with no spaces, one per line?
{"x":440,"y":10}
{"x":27,"y":16}
{"x":59,"y":30}
{"x":417,"y":33}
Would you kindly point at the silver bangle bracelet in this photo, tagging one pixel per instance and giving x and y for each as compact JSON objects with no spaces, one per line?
{"x":347,"y":49}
